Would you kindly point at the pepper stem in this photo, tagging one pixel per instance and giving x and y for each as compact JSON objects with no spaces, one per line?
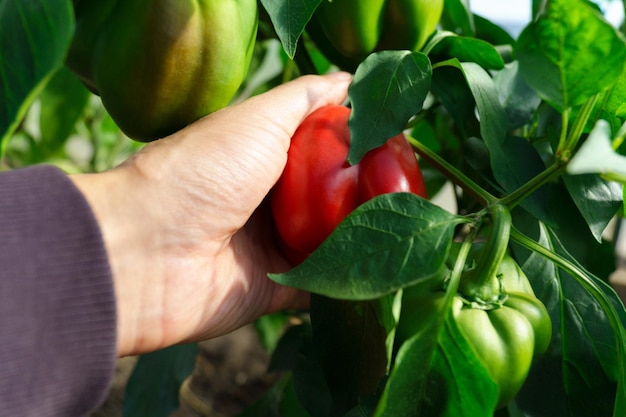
{"x":481,"y":286}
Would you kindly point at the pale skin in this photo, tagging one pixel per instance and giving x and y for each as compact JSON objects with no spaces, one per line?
{"x":188,"y":237}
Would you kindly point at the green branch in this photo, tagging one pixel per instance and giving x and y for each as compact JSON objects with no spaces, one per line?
{"x":533,"y":185}
{"x":452,"y":173}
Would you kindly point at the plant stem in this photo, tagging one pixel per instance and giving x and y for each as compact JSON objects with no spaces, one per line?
{"x":481,"y":285}
{"x":564,"y":127}
{"x":619,"y":138}
{"x":457,"y":271}
{"x":517,"y":196}
{"x":567,"y":146}
{"x":452,"y":173}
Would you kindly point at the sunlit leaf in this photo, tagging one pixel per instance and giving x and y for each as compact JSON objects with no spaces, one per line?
{"x":466,"y":49}
{"x":289,"y":18}
{"x":570,"y":53}
{"x":34,"y":38}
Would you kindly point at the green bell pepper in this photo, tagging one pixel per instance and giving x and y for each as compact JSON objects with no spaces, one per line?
{"x":495,"y":309}
{"x":346,"y":31}
{"x":159,"y":65}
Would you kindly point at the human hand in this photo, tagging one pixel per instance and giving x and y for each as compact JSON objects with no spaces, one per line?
{"x":188,"y":240}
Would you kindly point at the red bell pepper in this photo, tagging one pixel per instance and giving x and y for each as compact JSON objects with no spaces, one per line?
{"x":318,"y":188}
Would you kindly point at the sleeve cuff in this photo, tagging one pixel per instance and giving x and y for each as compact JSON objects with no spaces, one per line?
{"x":57,"y":303}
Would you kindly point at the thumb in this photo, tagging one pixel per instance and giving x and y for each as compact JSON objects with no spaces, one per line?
{"x":248,"y":142}
{"x":278,"y":113}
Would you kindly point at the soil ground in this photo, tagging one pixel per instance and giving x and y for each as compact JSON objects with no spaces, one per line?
{"x":230,"y":373}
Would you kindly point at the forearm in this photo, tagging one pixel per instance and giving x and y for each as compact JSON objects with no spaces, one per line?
{"x":57,"y":335}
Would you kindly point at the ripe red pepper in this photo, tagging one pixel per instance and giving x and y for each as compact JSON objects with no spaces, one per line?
{"x":318,"y":188}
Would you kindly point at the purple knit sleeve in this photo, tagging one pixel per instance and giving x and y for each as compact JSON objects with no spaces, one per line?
{"x":57,"y":305}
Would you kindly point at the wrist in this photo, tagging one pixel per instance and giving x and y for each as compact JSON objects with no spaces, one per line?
{"x":115,"y":199}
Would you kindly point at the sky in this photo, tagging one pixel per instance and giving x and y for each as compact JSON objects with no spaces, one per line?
{"x":515,"y":14}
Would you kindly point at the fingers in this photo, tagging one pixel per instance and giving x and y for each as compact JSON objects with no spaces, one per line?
{"x":281,"y":110}
{"x":295,"y":100}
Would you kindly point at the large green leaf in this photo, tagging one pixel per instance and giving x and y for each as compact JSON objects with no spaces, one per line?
{"x":570,"y":53}
{"x":578,"y":374}
{"x":389,"y":242}
{"x":388,"y":88}
{"x":34,"y":38}
{"x":289,"y":18}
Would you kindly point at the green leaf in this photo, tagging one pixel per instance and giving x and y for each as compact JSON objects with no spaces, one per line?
{"x":570,"y":53}
{"x":493,"y":121}
{"x":519,"y":100}
{"x":599,"y":258}
{"x":270,"y":328}
{"x":466,"y":49}
{"x":597,"y":200}
{"x":152,"y":389}
{"x":451,"y":89}
{"x":349,"y":343}
{"x":280,"y":400}
{"x":389,"y":242}
{"x":438,"y":374}
{"x":62,"y":104}
{"x":457,"y":17}
{"x":492,"y":33}
{"x":513,"y":160}
{"x":34,"y":38}
{"x":596,"y":155}
{"x":611,"y":106}
{"x":289,"y":18}
{"x":388,"y":88}
{"x":292,"y":342}
{"x":578,"y":374}
{"x":310,"y":386}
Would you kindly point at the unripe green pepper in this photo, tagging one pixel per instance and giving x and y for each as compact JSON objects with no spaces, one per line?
{"x":495,"y":309}
{"x":346,"y":31}
{"x":159,"y":65}
{"x":506,"y":337}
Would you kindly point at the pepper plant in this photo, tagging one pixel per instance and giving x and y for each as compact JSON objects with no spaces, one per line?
{"x":498,"y":306}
